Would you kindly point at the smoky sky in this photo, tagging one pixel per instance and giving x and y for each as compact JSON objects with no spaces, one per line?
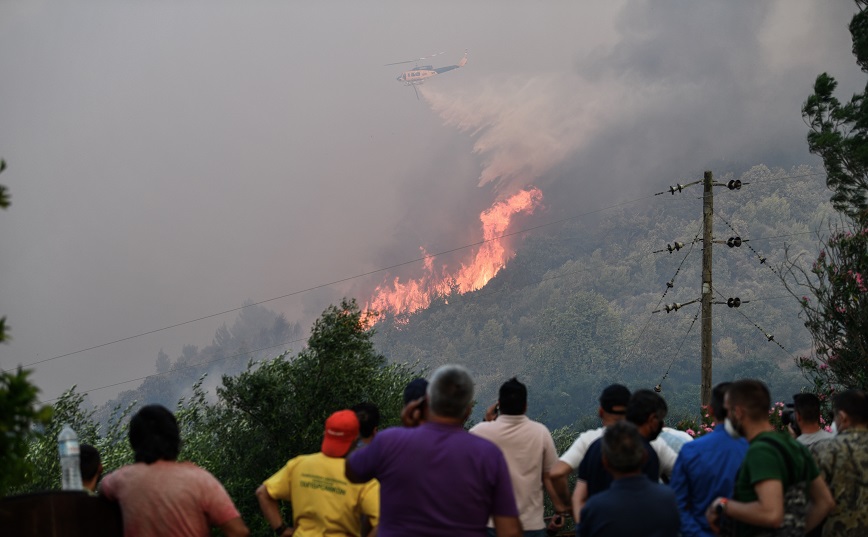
{"x":168,"y":161}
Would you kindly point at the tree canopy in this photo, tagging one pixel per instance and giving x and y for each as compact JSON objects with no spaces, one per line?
{"x":835,"y":299}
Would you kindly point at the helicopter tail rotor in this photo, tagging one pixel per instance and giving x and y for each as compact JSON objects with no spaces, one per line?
{"x":463,"y":60}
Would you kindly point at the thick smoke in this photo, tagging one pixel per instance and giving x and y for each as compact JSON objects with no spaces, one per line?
{"x":681,"y":89}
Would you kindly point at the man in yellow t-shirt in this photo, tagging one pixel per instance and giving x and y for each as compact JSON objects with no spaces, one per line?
{"x":323,"y":501}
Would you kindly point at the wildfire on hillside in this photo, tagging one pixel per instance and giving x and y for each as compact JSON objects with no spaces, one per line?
{"x":408,"y":296}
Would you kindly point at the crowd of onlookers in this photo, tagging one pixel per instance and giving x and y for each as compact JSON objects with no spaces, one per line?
{"x":431,"y":476}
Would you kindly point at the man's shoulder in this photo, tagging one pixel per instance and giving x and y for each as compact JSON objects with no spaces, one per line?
{"x":591,"y":434}
{"x":594,"y":446}
{"x":485,"y":428}
{"x":477,"y":441}
{"x":856,"y":445}
{"x":594,"y":452}
{"x":716,"y":439}
{"x":775,"y":441}
{"x":535,"y":427}
{"x":772,"y":450}
{"x":319,"y":458}
{"x":397,"y":434}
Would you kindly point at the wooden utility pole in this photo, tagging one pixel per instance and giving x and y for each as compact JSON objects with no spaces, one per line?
{"x":707,"y":223}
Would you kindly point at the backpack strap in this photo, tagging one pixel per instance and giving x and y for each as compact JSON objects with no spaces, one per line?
{"x":787,"y":459}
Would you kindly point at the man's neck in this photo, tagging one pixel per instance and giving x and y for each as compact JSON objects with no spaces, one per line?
{"x":622,"y":475}
{"x":434,"y":418}
{"x":809,"y":428}
{"x":754,"y":428}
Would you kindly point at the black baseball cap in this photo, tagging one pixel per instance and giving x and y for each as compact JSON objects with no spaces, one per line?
{"x":415,"y":390}
{"x":616,"y":395}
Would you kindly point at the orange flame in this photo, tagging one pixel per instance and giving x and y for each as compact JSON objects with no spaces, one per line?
{"x":414,"y":294}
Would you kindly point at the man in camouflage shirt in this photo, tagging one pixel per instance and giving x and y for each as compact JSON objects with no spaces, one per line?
{"x":843,"y":463}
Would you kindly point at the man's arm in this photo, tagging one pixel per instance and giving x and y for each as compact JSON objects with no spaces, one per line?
{"x":821,"y":503}
{"x":666,"y":455}
{"x":559,"y":492}
{"x":507,"y":526}
{"x":413,"y":413}
{"x":352,"y":476}
{"x":767,"y":511}
{"x":580,"y":496}
{"x":271,"y":510}
{"x":235,"y":528}
{"x":560,"y":469}
{"x":680,"y":484}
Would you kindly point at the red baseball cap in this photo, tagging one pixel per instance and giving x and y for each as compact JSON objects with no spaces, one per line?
{"x":341,"y":430}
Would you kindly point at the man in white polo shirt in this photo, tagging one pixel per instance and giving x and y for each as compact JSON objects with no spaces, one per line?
{"x":613,"y":408}
{"x":530,"y":453}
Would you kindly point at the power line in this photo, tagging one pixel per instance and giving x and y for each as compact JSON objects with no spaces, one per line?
{"x":769,"y":336}
{"x":678,"y":350}
{"x":176,"y":369}
{"x":669,"y":285}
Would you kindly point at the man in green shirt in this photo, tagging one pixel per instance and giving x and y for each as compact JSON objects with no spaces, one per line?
{"x":774,"y":465}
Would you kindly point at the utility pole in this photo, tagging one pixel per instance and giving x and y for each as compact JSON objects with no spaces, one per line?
{"x":707,"y":223}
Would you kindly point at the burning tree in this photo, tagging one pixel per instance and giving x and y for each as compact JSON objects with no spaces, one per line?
{"x":835,"y":307}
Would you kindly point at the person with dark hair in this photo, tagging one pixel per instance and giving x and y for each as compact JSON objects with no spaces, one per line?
{"x":369,"y":420}
{"x":843,"y":463}
{"x":415,"y":389}
{"x":778,"y":486}
{"x":415,"y":410}
{"x":652,"y":511}
{"x":647,"y":411}
{"x":530,"y":454}
{"x":323,"y":501}
{"x":806,"y":408}
{"x":705,"y":469}
{"x":436,"y":478}
{"x":161,"y":497}
{"x":91,"y":467}
{"x":613,"y":407}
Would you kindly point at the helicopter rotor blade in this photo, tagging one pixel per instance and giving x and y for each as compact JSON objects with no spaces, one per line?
{"x":431,"y":55}
{"x":398,"y":63}
{"x":417,"y":59}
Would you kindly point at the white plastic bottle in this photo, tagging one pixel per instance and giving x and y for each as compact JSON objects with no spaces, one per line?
{"x":67,"y":446}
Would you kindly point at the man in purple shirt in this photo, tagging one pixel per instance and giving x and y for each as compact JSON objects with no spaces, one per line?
{"x":437,"y":477}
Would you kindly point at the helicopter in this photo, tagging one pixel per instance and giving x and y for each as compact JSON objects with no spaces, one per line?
{"x":419,"y":74}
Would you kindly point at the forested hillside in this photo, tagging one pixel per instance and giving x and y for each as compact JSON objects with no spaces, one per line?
{"x":572,"y":311}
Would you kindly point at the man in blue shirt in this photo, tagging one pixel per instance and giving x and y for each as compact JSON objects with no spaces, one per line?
{"x":705,"y":469}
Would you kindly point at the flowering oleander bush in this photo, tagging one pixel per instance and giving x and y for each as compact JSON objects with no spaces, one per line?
{"x":698,"y":427}
{"x":836,"y":313}
{"x":776,"y":413}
